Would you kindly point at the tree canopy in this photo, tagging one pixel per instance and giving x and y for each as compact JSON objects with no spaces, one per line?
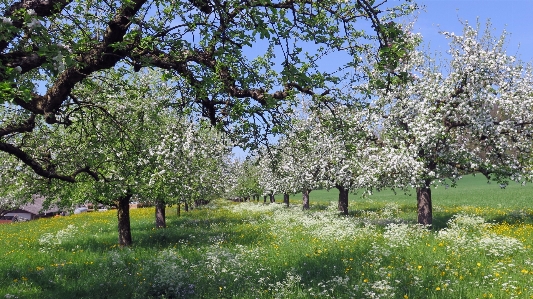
{"x":238,"y":63}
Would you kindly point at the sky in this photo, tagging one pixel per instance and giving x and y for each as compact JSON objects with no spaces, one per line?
{"x":513,"y":16}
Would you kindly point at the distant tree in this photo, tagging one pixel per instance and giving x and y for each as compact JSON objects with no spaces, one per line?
{"x":335,"y":147}
{"x":245,"y":179}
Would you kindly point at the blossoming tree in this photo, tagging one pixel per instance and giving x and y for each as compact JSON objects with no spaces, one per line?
{"x":469,"y":115}
{"x":156,"y":154}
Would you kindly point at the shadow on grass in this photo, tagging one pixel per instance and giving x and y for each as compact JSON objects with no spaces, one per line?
{"x":191,"y":231}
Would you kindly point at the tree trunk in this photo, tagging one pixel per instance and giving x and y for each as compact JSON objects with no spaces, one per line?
{"x":186,"y":207}
{"x":286,"y":199}
{"x":123,"y":215}
{"x":160,"y":221}
{"x":305,"y":198}
{"x":343,"y":200}
{"x":178,"y":212}
{"x":264,"y":199}
{"x":272,"y":199}
{"x":425,"y":210}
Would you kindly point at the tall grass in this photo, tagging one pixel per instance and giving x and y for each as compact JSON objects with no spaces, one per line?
{"x":252,"y":250}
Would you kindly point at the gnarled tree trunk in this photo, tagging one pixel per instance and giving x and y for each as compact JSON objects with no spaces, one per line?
{"x":286,"y":199}
{"x":305,"y":199}
{"x":123,"y":215}
{"x":424,"y":207}
{"x":160,"y":221}
{"x":343,"y":200}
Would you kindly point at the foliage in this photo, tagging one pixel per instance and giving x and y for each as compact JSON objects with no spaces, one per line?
{"x":243,"y":179}
{"x":155,"y":154}
{"x":239,"y":64}
{"x":338,"y":146}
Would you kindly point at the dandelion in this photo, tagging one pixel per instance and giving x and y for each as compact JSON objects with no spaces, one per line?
{"x":437,"y":289}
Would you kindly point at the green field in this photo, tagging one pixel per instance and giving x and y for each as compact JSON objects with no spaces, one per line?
{"x":470,"y":191}
{"x":480,"y":247}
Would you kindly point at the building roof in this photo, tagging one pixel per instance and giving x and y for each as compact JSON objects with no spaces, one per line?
{"x":36,"y":207}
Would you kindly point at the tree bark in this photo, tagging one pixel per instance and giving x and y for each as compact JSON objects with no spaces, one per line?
{"x":264,"y":199}
{"x":286,"y":199}
{"x":424,"y":207}
{"x":305,"y":198}
{"x":186,"y":207}
{"x":272,"y":199}
{"x":123,"y":215}
{"x":178,"y":212}
{"x":160,"y":221}
{"x":343,"y":200}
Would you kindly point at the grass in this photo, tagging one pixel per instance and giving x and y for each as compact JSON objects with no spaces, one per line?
{"x":250,"y":250}
{"x":470,"y":191}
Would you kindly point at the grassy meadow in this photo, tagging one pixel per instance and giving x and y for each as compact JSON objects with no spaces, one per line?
{"x":481,"y":248}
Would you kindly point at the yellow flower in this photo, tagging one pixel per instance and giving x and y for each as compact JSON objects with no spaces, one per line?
{"x":419,"y":267}
{"x":478,"y":264}
{"x":405,"y":296}
{"x":437,"y":289}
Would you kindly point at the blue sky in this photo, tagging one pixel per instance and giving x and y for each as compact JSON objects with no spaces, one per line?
{"x":514,"y":16}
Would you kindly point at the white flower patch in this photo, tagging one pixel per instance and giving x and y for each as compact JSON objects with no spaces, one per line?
{"x":499,"y":246}
{"x":380,"y":289}
{"x":286,"y":287}
{"x":169,"y":275}
{"x":469,"y":233}
{"x":49,"y":241}
{"x":404,"y":235}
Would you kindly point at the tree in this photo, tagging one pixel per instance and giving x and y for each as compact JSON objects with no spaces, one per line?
{"x":244,"y":177}
{"x":158,"y":154}
{"x":335,"y":146}
{"x":469,"y":115}
{"x":185,"y":166}
{"x":49,"y":47}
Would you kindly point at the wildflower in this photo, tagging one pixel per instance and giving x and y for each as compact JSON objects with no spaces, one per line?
{"x":437,"y":289}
